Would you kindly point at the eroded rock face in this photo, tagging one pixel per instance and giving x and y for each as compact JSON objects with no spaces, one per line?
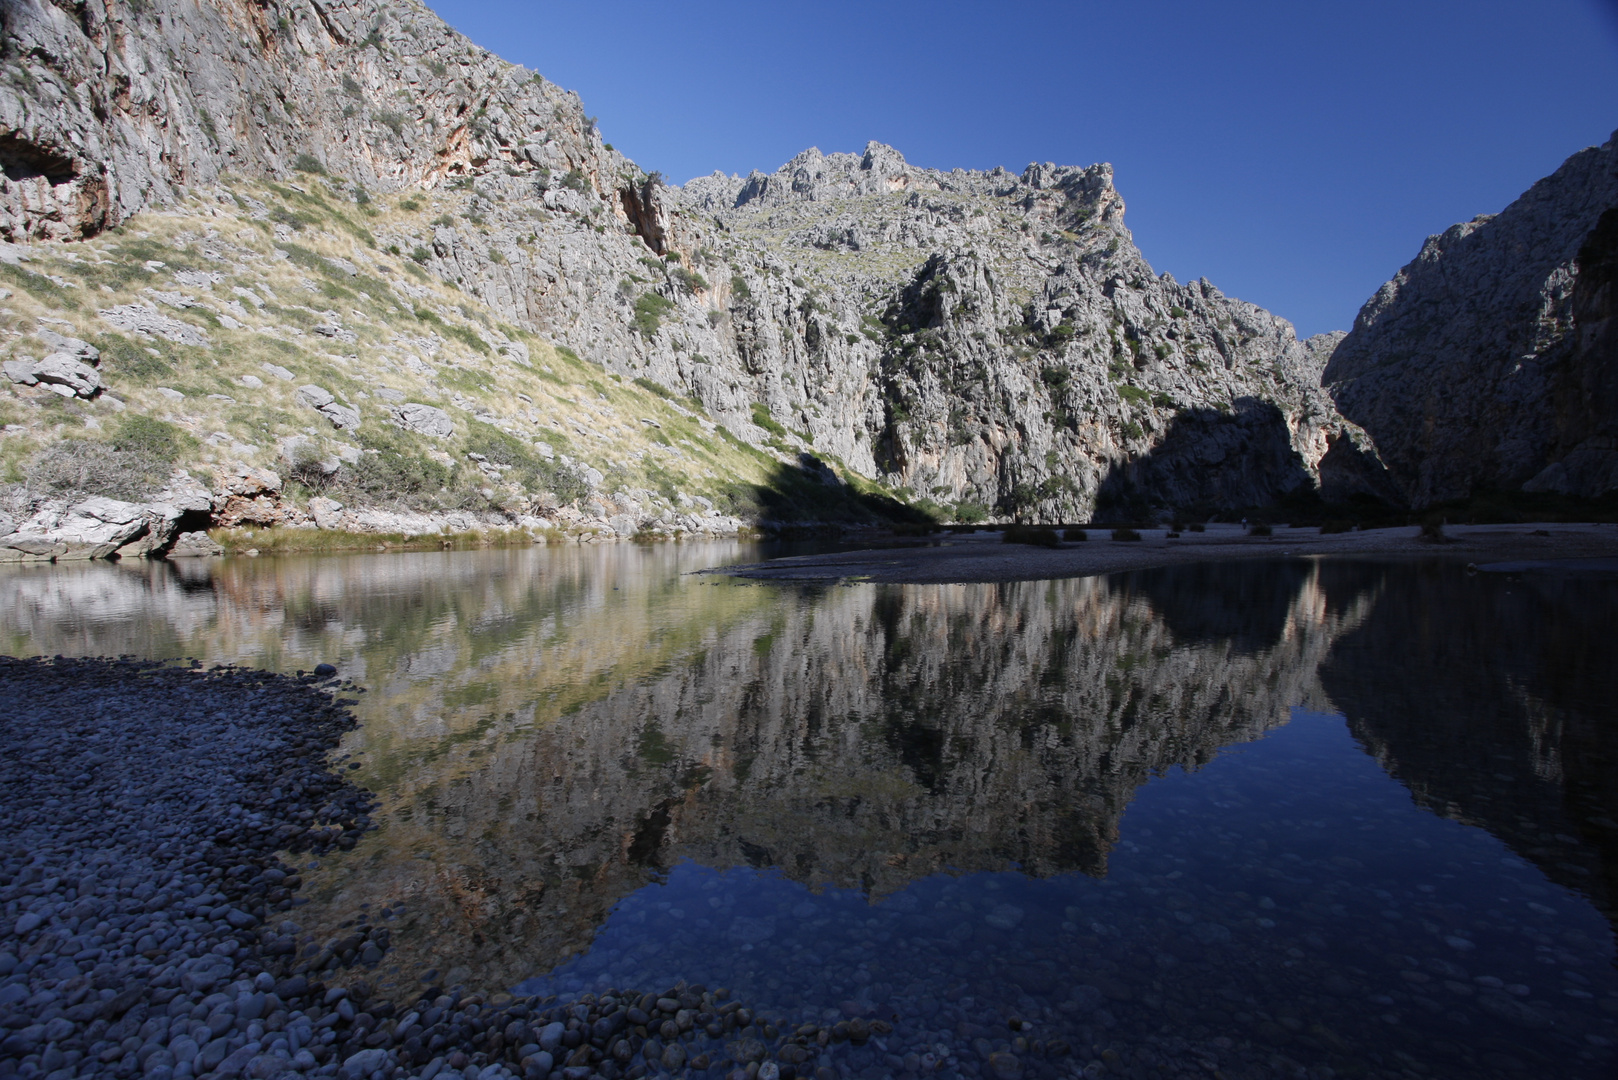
{"x":96,"y":527}
{"x":125,"y":103}
{"x":1490,"y":360}
{"x":244,"y":495}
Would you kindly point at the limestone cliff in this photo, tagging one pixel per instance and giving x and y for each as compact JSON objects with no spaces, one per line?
{"x":975,"y":343}
{"x":1490,"y":360}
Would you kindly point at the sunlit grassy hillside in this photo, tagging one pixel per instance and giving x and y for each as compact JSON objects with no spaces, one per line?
{"x":214,"y":317}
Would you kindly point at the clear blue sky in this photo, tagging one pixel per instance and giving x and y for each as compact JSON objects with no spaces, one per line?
{"x":1295,"y":153}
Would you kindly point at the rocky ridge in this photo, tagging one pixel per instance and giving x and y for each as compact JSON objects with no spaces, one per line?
{"x":1489,"y":361}
{"x":977,"y":343}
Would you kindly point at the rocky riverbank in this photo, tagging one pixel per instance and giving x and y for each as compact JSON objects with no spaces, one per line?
{"x":176,"y":521}
{"x":149,"y":920}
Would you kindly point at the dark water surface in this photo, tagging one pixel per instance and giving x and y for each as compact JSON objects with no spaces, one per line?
{"x":1353,"y":818}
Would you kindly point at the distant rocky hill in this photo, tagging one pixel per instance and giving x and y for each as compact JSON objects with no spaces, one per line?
{"x":1490,"y":362}
{"x":845,"y":337}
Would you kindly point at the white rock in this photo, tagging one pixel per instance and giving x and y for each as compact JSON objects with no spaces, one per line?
{"x":423,"y":420}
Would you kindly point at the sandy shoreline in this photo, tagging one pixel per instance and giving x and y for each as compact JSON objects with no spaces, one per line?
{"x":981,"y":556}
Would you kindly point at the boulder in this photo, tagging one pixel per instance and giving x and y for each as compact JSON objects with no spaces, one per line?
{"x":424,"y":420}
{"x":74,"y":347}
{"x":97,"y":527}
{"x":326,"y":512}
{"x":60,"y":371}
{"x":194,"y":544}
{"x":65,"y":369}
{"x":323,"y":402}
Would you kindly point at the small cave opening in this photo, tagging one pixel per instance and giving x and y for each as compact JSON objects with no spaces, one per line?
{"x":189,"y":521}
{"x":21,"y":159}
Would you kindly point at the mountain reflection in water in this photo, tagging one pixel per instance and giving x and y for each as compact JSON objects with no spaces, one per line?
{"x":577,"y":747}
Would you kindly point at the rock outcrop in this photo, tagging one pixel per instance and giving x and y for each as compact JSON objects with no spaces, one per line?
{"x":977,"y":343}
{"x":1490,"y":362}
{"x":111,"y":107}
{"x":54,"y":530}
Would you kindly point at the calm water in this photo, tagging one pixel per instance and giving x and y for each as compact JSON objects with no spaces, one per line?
{"x":1350,"y":816}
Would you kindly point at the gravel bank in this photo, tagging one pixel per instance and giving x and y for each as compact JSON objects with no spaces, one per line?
{"x":977,"y":557}
{"x":148,"y":926}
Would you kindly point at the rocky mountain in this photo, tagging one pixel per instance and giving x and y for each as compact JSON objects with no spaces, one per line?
{"x":971,"y":343}
{"x":1490,"y":361}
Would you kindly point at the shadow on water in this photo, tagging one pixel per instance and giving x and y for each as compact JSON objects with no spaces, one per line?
{"x":1107,"y":803}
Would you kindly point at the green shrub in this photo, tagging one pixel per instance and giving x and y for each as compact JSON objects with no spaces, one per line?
{"x":1336,"y":525}
{"x":1134,"y":394}
{"x":126,"y":360}
{"x":157,"y":441}
{"x":649,"y":311}
{"x":528,"y":469}
{"x":308,"y":163}
{"x":420,"y":254}
{"x":970,"y":513}
{"x":739,"y":289}
{"x":395,"y":476}
{"x":1125,"y":534}
{"x":311,"y":471}
{"x":691,"y":281}
{"x":393,"y":121}
{"x":762,"y":417}
{"x":1261,"y":528}
{"x":1075,"y":535}
{"x":655,"y":387}
{"x":1028,"y":534}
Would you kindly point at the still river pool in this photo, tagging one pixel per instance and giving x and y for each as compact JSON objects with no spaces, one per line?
{"x":1291,"y":818}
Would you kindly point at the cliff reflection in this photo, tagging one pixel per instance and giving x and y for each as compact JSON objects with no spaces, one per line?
{"x":1492,"y":700}
{"x":851,"y":737}
{"x":549,"y":730}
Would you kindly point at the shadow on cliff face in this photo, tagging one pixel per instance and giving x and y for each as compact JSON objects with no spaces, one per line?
{"x":809,"y":492}
{"x":1211,"y":462}
{"x":1492,"y":701}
